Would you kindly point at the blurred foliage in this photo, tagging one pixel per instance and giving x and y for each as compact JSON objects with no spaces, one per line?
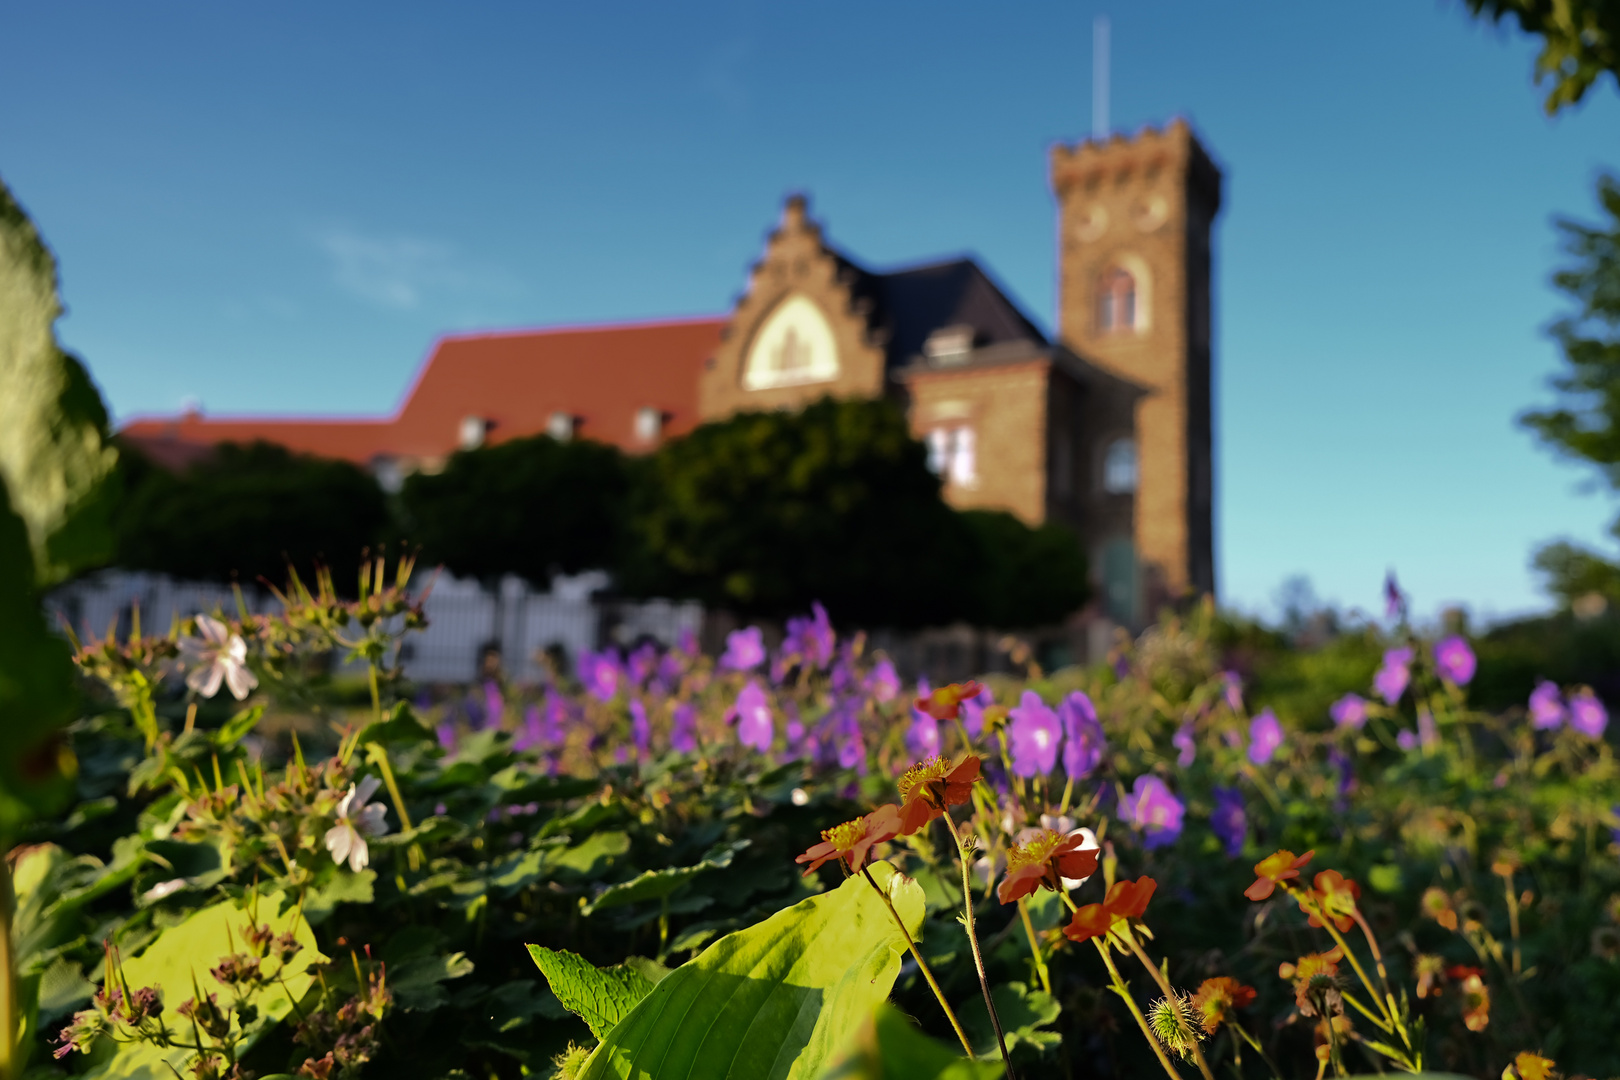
{"x":531,"y":507}
{"x":1027,"y":576}
{"x":246,"y":512}
{"x":1580,"y":41}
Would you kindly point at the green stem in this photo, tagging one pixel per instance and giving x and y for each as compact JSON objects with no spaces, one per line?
{"x":1122,"y":988}
{"x":1034,"y":946}
{"x":10,"y":1051}
{"x":962,"y":854}
{"x":922,"y":965}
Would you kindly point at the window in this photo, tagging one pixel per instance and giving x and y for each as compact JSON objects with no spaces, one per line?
{"x":794,"y":346}
{"x":1116,"y":301}
{"x":1119,"y":467}
{"x":471,"y":432}
{"x":953,"y":454}
{"x":560,"y":426}
{"x":649,"y":423}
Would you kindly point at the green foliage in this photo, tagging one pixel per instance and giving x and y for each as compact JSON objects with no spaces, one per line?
{"x":1580,"y":40}
{"x":1027,"y":576}
{"x":531,"y":507}
{"x":246,"y":512}
{"x":599,"y":996}
{"x":889,"y":1047}
{"x":776,"y":1000}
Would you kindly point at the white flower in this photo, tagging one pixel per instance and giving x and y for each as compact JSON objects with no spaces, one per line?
{"x":218,"y":655}
{"x":356,"y":820}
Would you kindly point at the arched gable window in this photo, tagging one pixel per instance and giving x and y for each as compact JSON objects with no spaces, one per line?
{"x":1119,"y":467}
{"x":1116,"y":301}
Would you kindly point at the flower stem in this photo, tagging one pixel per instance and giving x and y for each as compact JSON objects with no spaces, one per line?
{"x":962,"y":854}
{"x":922,"y":965}
{"x":1123,"y":990}
{"x":1169,"y":992}
{"x":1034,"y":946}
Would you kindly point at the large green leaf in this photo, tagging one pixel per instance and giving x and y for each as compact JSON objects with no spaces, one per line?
{"x":657,"y":884}
{"x":888,"y":1047}
{"x":777,"y":1000}
{"x":188,"y":951}
{"x":54,"y":455}
{"x":599,"y":996}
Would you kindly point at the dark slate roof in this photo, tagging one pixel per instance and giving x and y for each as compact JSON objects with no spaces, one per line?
{"x":910,"y":304}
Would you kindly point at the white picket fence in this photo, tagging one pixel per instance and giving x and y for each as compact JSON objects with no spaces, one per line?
{"x":465,"y":620}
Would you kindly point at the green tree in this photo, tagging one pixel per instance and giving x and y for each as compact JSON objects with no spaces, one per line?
{"x":1030,"y":577}
{"x":529,"y":507}
{"x":1580,"y":40}
{"x":246,"y":512}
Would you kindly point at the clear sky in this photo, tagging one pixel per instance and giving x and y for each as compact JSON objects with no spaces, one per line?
{"x":275,"y":208}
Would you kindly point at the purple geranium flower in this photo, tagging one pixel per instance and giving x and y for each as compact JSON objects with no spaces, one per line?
{"x":882,"y":682}
{"x":687,"y":641}
{"x":922,"y":737}
{"x":1546,"y":706}
{"x":600,"y":672}
{"x":494,"y":704}
{"x":973,"y":712}
{"x":446,"y":733}
{"x":1391,"y":680}
{"x":1230,"y":820}
{"x":1349,"y":711}
{"x":1151,"y":808}
{"x":1406,"y":740}
{"x":1084,"y":745}
{"x":745,"y":649}
{"x":532,"y":733}
{"x":683,"y":729}
{"x":851,"y":747}
{"x":1265,"y":736}
{"x":1454,"y":660}
{"x":811,"y":639}
{"x":1034,"y":734}
{"x":1183,"y":741}
{"x":640,"y":728}
{"x":752,"y":715}
{"x":1587,"y":714}
{"x":643,"y":662}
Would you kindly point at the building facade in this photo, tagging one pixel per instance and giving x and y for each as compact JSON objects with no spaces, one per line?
{"x":1106,"y":430}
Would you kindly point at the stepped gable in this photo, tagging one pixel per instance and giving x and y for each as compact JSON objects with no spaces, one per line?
{"x":600,"y":377}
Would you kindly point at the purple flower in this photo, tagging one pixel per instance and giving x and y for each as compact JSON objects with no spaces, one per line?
{"x":1151,"y":808}
{"x":851,"y":749}
{"x":745,"y":649}
{"x":683,"y":729}
{"x":532,"y":733}
{"x":1454,"y":660}
{"x":882,"y":682}
{"x":1234,"y":690}
{"x":1122,"y":667}
{"x":643,"y":662}
{"x":446,"y":732}
{"x":1394,"y":602}
{"x":1350,"y":712}
{"x":687,"y":641}
{"x":640,"y":729}
{"x":1265,"y":736}
{"x":1340,"y":763}
{"x":752,"y":714}
{"x":600,"y":673}
{"x":1034,"y":734}
{"x":811,"y":639}
{"x":1391,"y":680}
{"x":1428,"y":731}
{"x":1546,"y":706}
{"x":494,"y":704}
{"x":922,"y":737}
{"x":1182,"y":740}
{"x":1587,"y":714}
{"x":1406,"y":740}
{"x":1230,"y":820}
{"x":1084,"y":745}
{"x":973,"y":712}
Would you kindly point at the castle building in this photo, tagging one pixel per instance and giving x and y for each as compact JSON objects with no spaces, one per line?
{"x":1106,"y":430}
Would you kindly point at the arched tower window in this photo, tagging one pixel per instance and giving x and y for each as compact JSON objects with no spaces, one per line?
{"x":1116,"y":301}
{"x":1119,"y":467}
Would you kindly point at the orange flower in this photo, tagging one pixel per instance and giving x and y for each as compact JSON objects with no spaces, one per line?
{"x":1476,"y":996}
{"x":1129,"y":899}
{"x":1533,"y":1066}
{"x":1437,"y":905}
{"x":1046,"y":860}
{"x":1316,"y":981}
{"x":853,"y":840}
{"x":1218,"y":998}
{"x":1334,"y":895}
{"x":1091,"y":921}
{"x":1273,"y":870}
{"x":946,"y":702}
{"x":930,"y":787}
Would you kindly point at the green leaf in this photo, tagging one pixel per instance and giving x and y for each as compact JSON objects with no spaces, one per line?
{"x":1022,"y":1011}
{"x":599,"y":996}
{"x":188,"y":951}
{"x":888,"y":1047}
{"x":591,"y":857}
{"x":55,"y":458}
{"x":657,"y":884}
{"x":776,"y":1000}
{"x":236,"y":728}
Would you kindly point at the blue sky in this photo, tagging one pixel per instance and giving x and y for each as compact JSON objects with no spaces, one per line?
{"x":279,"y":207}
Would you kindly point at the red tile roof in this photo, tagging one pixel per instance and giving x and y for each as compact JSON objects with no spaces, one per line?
{"x":514,"y":381}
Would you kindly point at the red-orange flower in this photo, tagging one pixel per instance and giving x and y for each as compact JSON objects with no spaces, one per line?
{"x":1273,"y":870}
{"x":853,"y":840}
{"x":930,"y":787}
{"x":1476,"y":996}
{"x":1316,"y":982}
{"x":1046,"y":860}
{"x":1091,"y":921}
{"x":1129,"y":899}
{"x":1218,"y":999}
{"x":946,"y":702}
{"x":1335,"y":895}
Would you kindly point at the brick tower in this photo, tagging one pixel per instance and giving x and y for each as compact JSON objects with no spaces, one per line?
{"x":1134,"y":218}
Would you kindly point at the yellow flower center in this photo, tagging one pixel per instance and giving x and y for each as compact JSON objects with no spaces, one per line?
{"x":1034,"y":851}
{"x":844,"y":837}
{"x":923,"y":772}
